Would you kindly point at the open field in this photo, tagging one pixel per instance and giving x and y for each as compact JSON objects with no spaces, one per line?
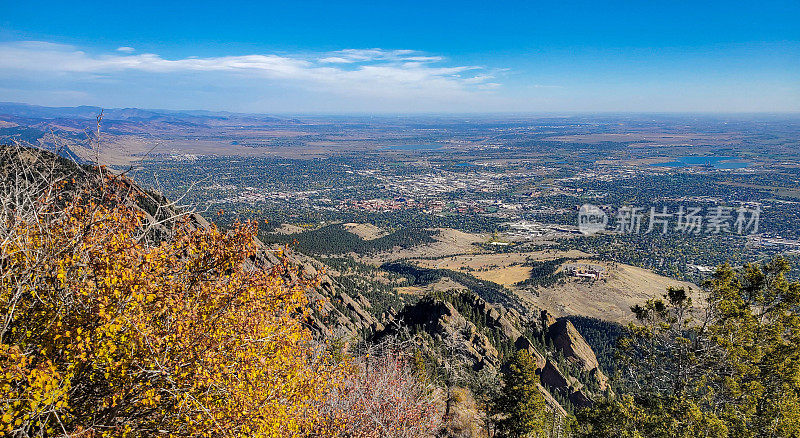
{"x":289,"y":229}
{"x":505,"y":276}
{"x":488,"y":261}
{"x":443,"y":285}
{"x":364,"y":231}
{"x":448,"y":242}
{"x":501,"y":268}
{"x":609,"y":299}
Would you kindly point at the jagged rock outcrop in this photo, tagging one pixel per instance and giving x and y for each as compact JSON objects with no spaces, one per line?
{"x":451,"y":331}
{"x":569,"y":341}
{"x":552,"y":377}
{"x":579,"y":398}
{"x":573,"y":346}
{"x":555,"y":380}
{"x":505,"y":321}
{"x":600,"y":378}
{"x":546,"y":319}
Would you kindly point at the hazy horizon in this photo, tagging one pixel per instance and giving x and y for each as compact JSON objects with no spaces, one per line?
{"x":502,"y":114}
{"x":352,"y":57}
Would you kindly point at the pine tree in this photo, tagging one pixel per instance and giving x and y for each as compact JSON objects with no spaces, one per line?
{"x":521,"y":404}
{"x":735,"y":373}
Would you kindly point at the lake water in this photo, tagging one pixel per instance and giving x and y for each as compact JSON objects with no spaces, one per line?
{"x":715,"y":162}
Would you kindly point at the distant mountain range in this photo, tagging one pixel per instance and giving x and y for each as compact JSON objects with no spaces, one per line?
{"x":127,"y":114}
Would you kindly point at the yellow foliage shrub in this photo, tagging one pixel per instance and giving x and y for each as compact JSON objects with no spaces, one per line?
{"x":108,"y":333}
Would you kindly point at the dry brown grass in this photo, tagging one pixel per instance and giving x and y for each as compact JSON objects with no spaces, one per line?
{"x":608,"y":299}
{"x":364,"y":231}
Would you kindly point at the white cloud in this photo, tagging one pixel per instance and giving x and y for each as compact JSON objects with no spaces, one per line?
{"x":371,"y":55}
{"x":356,"y":55}
{"x":335,"y":60}
{"x":361,"y":71}
{"x":126,"y":49}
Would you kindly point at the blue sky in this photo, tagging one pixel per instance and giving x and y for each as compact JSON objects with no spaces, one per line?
{"x":427,"y":56}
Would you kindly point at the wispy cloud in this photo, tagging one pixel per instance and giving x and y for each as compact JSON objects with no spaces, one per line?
{"x":365,"y":72}
{"x":370,"y":55}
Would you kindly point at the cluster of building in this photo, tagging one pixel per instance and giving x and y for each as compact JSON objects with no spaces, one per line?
{"x":429,"y":185}
{"x":428,"y":206}
{"x":381,"y":205}
{"x":585,"y":270}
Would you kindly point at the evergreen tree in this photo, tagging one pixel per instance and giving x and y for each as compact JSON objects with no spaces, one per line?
{"x":521,"y":403}
{"x":733,"y":373}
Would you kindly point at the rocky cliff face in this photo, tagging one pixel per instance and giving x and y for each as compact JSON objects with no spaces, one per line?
{"x":462,"y":324}
{"x":479,"y":333}
{"x":336,"y":312}
{"x":573,"y":346}
{"x":448,"y":329}
{"x":568,"y":341}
